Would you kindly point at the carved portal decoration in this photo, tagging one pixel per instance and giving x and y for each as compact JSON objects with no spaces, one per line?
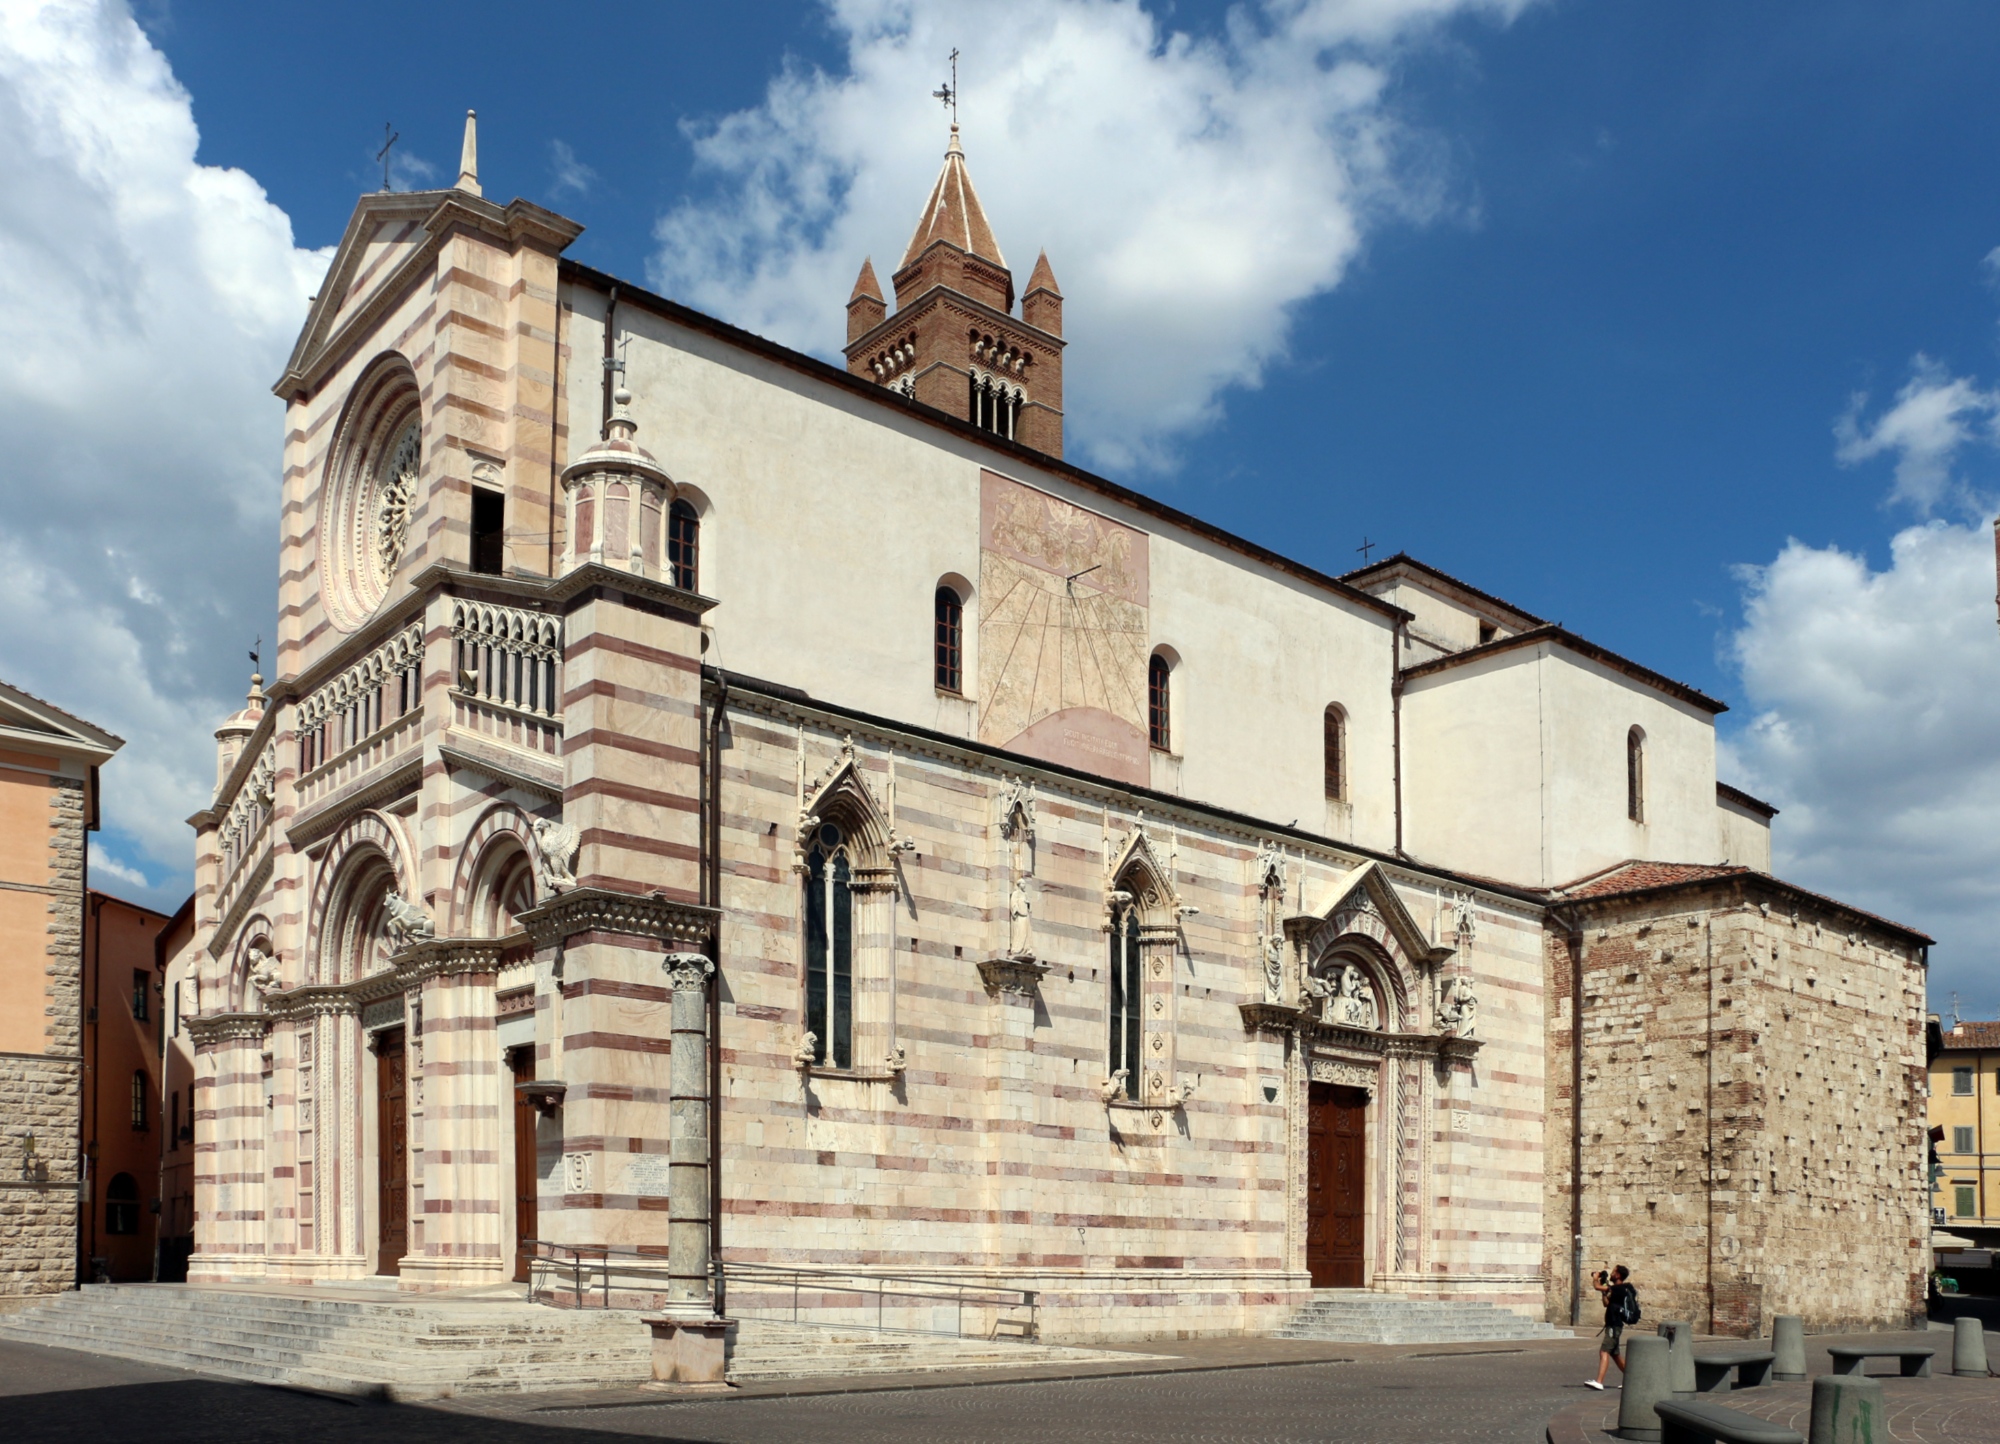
{"x":1347,"y":1075}
{"x":408,"y":923}
{"x":1458,"y":1008}
{"x":842,"y":795}
{"x":371,"y":490}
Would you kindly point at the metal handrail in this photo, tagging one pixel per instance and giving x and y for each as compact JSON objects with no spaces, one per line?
{"x":579,"y":1259}
{"x":958,"y":1292}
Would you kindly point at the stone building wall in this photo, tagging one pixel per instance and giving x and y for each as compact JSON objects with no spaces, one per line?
{"x":1752,"y":1107}
{"x":41,"y":1097}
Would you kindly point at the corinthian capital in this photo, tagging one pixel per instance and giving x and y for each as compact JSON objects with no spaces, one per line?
{"x":687,"y":970}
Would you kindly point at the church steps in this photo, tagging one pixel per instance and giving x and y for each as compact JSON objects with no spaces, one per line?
{"x":415,"y":1348}
{"x":1360,"y":1316}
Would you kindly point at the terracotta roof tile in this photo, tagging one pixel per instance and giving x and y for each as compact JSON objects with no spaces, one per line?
{"x":1971,"y":1035}
{"x":954,"y":214}
{"x":1638,"y":876}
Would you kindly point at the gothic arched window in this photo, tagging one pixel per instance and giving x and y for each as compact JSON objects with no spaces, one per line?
{"x":830,"y":949}
{"x":1336,"y":752}
{"x":684,"y":545}
{"x":1159,"y":703}
{"x":1127,"y":990}
{"x":1635,"y":775}
{"x":949,"y":667}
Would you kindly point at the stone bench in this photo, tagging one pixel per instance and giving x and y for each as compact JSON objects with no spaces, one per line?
{"x":1682,"y":1422}
{"x":1713,"y":1369}
{"x":1848,"y":1359}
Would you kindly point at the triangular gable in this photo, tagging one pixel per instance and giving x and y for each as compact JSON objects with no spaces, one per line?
{"x":390,"y":235}
{"x":30,"y":719}
{"x":1138,"y":849}
{"x":844,"y":789}
{"x":1366,"y":891}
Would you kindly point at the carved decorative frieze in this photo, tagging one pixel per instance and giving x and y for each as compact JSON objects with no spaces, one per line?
{"x":228,"y":1027}
{"x":598,"y":910}
{"x":1344,"y":1073}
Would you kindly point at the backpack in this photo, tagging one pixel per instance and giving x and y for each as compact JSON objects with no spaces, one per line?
{"x":1628,"y":1307}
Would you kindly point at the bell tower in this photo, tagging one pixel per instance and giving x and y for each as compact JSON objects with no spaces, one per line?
{"x":953,"y":340}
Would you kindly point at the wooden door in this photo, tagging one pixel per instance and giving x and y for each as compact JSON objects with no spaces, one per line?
{"x":392,"y":1164}
{"x":523,"y":1063}
{"x":1336,"y":1192}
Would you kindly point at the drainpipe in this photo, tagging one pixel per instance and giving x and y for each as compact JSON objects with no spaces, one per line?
{"x":92,"y":1084}
{"x":1573,"y":941}
{"x":712,"y":896}
{"x":1708,"y":1103}
{"x":1396,"y":729}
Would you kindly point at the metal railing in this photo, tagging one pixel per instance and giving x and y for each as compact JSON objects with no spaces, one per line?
{"x":886,"y":1303}
{"x":880,"y":1302}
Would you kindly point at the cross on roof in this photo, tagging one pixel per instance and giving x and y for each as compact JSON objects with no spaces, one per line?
{"x":389,"y":138}
{"x":1366,"y":547}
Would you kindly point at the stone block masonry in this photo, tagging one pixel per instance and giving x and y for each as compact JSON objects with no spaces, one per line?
{"x":1752,"y":1107}
{"x":41,"y":1096}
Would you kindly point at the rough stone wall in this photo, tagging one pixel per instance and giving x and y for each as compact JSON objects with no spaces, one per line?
{"x":42,"y":1097}
{"x":1752,"y":1112}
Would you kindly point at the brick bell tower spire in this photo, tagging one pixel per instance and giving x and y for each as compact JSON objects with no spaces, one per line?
{"x":952,"y":340}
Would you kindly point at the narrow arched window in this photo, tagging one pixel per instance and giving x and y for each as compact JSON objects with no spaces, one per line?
{"x":830,"y":949}
{"x":1126,"y":990}
{"x":121,"y":1204}
{"x":1635,"y":775}
{"x":1336,"y":752}
{"x":949,"y":664}
{"x":1159,"y":703}
{"x":684,"y":545}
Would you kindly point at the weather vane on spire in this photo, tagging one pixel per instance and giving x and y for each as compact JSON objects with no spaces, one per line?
{"x":948,"y":92}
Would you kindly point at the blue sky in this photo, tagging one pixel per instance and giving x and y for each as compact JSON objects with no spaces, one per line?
{"x":1606,"y":303}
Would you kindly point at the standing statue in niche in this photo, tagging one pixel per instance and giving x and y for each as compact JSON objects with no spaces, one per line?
{"x":1020,"y":920}
{"x":1458,"y":1009}
{"x":1274,"y":969}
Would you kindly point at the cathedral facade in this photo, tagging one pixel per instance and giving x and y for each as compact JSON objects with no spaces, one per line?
{"x":718,"y":813}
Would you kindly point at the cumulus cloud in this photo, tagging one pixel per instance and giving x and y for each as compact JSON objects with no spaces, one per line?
{"x":146,"y":304}
{"x":1935,"y":416}
{"x":1190,"y":191}
{"x":1877,"y":729}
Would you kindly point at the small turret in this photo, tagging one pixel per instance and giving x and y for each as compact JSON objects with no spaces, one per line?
{"x":865,"y":308}
{"x":468,"y":155}
{"x":236,"y":730}
{"x":1042,"y":306}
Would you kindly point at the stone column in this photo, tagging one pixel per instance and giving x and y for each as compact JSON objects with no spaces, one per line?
{"x":690,"y":1287}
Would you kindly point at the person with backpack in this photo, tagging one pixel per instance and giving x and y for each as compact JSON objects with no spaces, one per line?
{"x":1621,"y":1311}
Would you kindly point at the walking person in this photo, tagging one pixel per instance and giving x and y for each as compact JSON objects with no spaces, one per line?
{"x":1621,"y":1307}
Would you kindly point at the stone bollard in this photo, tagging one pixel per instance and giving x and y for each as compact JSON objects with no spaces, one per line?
{"x":1968,"y":1349}
{"x":1645,"y":1386}
{"x":1848,"y":1409}
{"x":1788,"y":1342}
{"x":1680,"y":1357}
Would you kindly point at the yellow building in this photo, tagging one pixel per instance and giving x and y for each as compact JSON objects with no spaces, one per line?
{"x":1965,"y":1122}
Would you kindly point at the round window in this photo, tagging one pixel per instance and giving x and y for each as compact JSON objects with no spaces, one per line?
{"x":370,"y":492}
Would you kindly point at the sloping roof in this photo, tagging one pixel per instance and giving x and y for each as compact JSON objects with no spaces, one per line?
{"x":1970,"y":1035}
{"x":954,"y":214}
{"x":865,"y":284}
{"x":1583,"y":647}
{"x":1724,"y":792}
{"x":1402,"y":563}
{"x":1043,"y":277}
{"x":1639,"y":876}
{"x":23,"y":711}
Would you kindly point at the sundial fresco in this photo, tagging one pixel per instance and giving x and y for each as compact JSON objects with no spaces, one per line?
{"x":1062,"y":632}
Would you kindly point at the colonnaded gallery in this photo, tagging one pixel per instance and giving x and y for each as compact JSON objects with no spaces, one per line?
{"x":716,"y":809}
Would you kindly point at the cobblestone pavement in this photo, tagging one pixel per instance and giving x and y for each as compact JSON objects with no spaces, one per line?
{"x":1939,"y":1410}
{"x":1408,"y":1396}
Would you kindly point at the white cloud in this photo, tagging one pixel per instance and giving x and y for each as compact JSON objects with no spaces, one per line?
{"x":1877,"y":730}
{"x":146,"y":305}
{"x":571,"y":175}
{"x":1190,"y":192}
{"x":1936,"y":416}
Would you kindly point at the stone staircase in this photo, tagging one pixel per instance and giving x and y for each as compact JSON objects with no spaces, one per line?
{"x":1363,"y":1316}
{"x":428,"y":1346}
